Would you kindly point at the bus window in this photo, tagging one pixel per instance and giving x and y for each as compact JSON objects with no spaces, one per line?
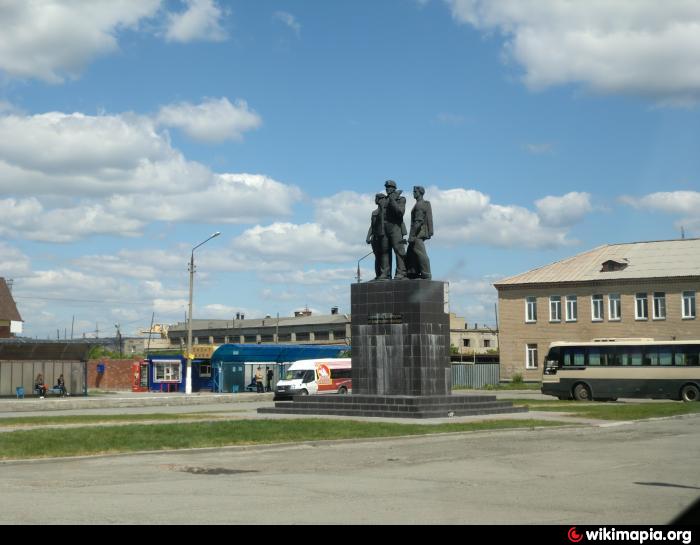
{"x":651,"y":357}
{"x":632,"y":356}
{"x":614,"y":356}
{"x":665,"y":355}
{"x":594,"y":357}
{"x":690,"y":356}
{"x":574,"y":357}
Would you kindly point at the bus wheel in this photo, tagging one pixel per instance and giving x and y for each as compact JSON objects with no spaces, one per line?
{"x":342,"y":390}
{"x":582,"y":393}
{"x":690,"y":392}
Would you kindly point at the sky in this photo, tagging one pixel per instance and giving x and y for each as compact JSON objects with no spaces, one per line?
{"x":131,"y":130}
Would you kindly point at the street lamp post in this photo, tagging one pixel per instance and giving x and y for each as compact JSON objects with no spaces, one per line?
{"x":188,"y":376}
{"x":359,"y":278}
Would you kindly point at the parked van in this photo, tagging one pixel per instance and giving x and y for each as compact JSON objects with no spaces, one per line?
{"x":318,"y":376}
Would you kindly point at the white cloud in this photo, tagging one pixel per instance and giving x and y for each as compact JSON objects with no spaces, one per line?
{"x":639,"y":47}
{"x":468,"y":216}
{"x":200,"y":21}
{"x":12,"y":261}
{"x":563,"y":211}
{"x":53,"y":39}
{"x":309,"y":277}
{"x":347,"y":214}
{"x":682,"y":203}
{"x":93,"y":172}
{"x":308,"y":242}
{"x":539,"y":149}
{"x":214,"y":120}
{"x":289,"y":20}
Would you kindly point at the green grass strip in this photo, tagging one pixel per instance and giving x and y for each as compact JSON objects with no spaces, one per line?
{"x":107,"y":418}
{"x":139,"y":437}
{"x":613,"y":410}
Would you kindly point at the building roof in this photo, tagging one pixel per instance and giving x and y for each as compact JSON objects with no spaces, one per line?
{"x":257,"y":323}
{"x":8,"y":308}
{"x":636,"y":260}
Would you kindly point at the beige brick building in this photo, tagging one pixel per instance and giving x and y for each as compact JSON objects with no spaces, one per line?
{"x":643,"y":289}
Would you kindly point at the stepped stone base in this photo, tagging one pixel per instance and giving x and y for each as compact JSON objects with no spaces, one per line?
{"x":398,"y":406}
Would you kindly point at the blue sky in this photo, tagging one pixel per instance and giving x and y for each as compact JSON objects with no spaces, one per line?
{"x":130,"y":131}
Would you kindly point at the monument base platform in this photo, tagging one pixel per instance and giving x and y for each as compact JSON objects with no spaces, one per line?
{"x":393,"y":406}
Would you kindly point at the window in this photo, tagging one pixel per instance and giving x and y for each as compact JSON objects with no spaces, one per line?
{"x":531,"y":309}
{"x":614,"y":308}
{"x":303,"y":337}
{"x":597,"y":308}
{"x":555,"y":308}
{"x":487,"y":343}
{"x":205,"y":369}
{"x":322,"y":335}
{"x":688,"y":304}
{"x":571,"y":308}
{"x":574,"y":357}
{"x":531,"y":361}
{"x":659,"y":305}
{"x":466,"y":342}
{"x":167,"y":371}
{"x":641,"y":307}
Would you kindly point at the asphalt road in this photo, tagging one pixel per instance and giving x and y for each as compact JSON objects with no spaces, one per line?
{"x":633,"y":473}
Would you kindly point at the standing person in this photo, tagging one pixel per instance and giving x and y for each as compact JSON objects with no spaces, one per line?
{"x":39,"y":385}
{"x":268,"y":379}
{"x":259,"y":380}
{"x":61,"y":383}
{"x":378,"y":239}
{"x":421,"y":230}
{"x":394,"y":227}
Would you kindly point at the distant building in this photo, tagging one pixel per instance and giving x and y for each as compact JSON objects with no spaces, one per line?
{"x":468,"y":341}
{"x":641,"y":289}
{"x":10,"y":320}
{"x":304,"y":328}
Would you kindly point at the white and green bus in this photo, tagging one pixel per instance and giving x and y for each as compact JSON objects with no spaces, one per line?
{"x":611,"y":368}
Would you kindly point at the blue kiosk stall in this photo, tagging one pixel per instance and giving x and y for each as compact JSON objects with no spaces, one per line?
{"x":167,"y":373}
{"x":233,"y":365}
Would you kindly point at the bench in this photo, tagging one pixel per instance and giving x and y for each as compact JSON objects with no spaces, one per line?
{"x":53,"y":391}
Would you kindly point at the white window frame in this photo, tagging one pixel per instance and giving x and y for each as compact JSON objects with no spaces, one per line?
{"x":205,"y":369}
{"x":644,"y":306}
{"x":689,"y":311}
{"x":659,"y":305}
{"x":571,"y":308}
{"x":530,"y":310}
{"x":614,"y":307}
{"x":530,"y":356}
{"x":171,"y":371}
{"x":597,"y":303}
{"x":556,"y":301}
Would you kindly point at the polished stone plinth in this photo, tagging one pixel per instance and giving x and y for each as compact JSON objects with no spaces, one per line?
{"x":400,"y":338}
{"x":393,"y":406}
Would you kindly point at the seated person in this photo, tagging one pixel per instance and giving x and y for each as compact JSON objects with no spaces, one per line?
{"x":253,"y":386}
{"x":39,"y":385}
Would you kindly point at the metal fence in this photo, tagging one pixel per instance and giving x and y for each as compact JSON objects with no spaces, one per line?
{"x":475,"y":375}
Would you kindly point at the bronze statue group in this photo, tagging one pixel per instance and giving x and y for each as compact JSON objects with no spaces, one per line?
{"x":387,"y":231}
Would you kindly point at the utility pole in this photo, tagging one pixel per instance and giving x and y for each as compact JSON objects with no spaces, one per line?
{"x":72,"y":324}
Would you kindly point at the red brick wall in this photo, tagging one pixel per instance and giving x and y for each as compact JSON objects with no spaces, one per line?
{"x":117,"y":375}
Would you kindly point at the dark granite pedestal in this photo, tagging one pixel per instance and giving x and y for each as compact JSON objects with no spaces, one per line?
{"x":396,"y":406}
{"x":400,"y":358}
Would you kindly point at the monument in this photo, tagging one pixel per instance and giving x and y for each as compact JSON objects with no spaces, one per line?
{"x":400,"y":329}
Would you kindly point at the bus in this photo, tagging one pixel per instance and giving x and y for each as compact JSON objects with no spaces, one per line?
{"x":317,"y":376}
{"x":606,"y":369}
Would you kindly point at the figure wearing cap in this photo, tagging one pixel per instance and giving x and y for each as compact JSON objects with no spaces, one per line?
{"x":394,"y":226}
{"x":378,"y":239}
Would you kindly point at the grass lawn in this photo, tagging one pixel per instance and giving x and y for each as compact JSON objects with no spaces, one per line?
{"x":612,"y":410}
{"x":139,"y":437}
{"x":504,"y":386}
{"x":106,"y":418}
